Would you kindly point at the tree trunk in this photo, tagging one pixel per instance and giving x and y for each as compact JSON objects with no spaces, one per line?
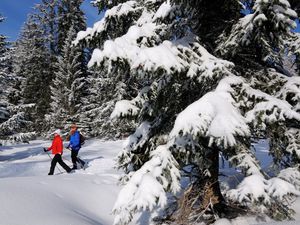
{"x":212,"y":182}
{"x":203,"y":197}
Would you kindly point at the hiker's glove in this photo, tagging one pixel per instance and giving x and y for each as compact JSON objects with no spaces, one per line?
{"x":45,"y":150}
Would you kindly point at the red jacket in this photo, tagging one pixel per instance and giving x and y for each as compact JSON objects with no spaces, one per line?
{"x":57,"y":145}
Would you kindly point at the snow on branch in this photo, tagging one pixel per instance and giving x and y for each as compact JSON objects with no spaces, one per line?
{"x":124,"y":108}
{"x":245,"y":160}
{"x":268,"y":109}
{"x":14,"y":123}
{"x":291,"y":175}
{"x":240,"y":35}
{"x":296,"y":44}
{"x":274,"y":16}
{"x":293,"y":136}
{"x":123,"y":9}
{"x":272,"y":110}
{"x":205,"y":64}
{"x":291,"y":89}
{"x":214,"y":116}
{"x":18,"y":138}
{"x":161,"y":56}
{"x":148,"y":186}
{"x":252,"y":188}
{"x":279,"y":188}
{"x":255,"y":189}
{"x":164,"y":10}
{"x":139,"y":138}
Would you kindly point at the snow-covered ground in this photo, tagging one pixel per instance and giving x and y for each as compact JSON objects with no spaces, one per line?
{"x":28,"y":196}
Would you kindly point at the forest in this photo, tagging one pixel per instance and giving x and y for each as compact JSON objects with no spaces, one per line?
{"x":185,"y":82}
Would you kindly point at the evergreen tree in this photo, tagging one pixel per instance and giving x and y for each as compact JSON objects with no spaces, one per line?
{"x":67,"y":89}
{"x":69,"y":15}
{"x":13,"y":119}
{"x":5,"y":77}
{"x":41,"y":47}
{"x":191,"y":106}
{"x":261,"y":34}
{"x":47,"y":14}
{"x":103,"y":93}
{"x":32,"y":59}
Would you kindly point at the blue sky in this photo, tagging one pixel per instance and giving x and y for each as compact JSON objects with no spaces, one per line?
{"x":15,"y":12}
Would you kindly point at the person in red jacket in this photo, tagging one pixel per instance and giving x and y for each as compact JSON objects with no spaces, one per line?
{"x":57,"y":150}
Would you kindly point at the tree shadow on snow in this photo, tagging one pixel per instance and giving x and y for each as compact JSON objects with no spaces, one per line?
{"x":2,"y":148}
{"x":23,"y":154}
{"x":90,"y":220}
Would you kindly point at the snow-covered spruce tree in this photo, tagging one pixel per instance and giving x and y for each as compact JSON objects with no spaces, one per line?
{"x":67,"y":88}
{"x":260,"y":34}
{"x":13,"y":121}
{"x":69,"y":15}
{"x":32,"y":63}
{"x":47,"y":16}
{"x":70,"y":66}
{"x":190,"y":107}
{"x":103,"y":92}
{"x":5,"y":78}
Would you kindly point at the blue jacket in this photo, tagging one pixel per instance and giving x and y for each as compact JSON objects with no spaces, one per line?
{"x":75,"y":141}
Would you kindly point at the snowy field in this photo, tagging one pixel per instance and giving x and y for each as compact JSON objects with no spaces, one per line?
{"x":29,"y":196}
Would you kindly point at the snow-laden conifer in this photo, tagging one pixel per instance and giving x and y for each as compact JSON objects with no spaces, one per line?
{"x":67,"y":88}
{"x":190,"y":106}
{"x":13,"y":117}
{"x":5,"y":75}
{"x":262,"y":32}
{"x":69,"y":14}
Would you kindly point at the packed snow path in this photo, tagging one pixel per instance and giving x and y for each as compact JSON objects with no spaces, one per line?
{"x":29,"y":196}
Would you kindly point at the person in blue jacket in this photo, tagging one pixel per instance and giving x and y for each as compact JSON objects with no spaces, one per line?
{"x":75,"y":146}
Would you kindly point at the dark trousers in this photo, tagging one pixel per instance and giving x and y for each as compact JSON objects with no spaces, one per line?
{"x":57,"y":159}
{"x":75,"y":159}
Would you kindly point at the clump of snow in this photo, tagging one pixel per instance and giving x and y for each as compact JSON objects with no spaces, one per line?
{"x":256,"y":188}
{"x":214,"y":116}
{"x":279,"y":188}
{"x":139,"y":137}
{"x":291,"y":175}
{"x":250,"y":190}
{"x":163,"y":55}
{"x":163,"y":11}
{"x":124,"y":108}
